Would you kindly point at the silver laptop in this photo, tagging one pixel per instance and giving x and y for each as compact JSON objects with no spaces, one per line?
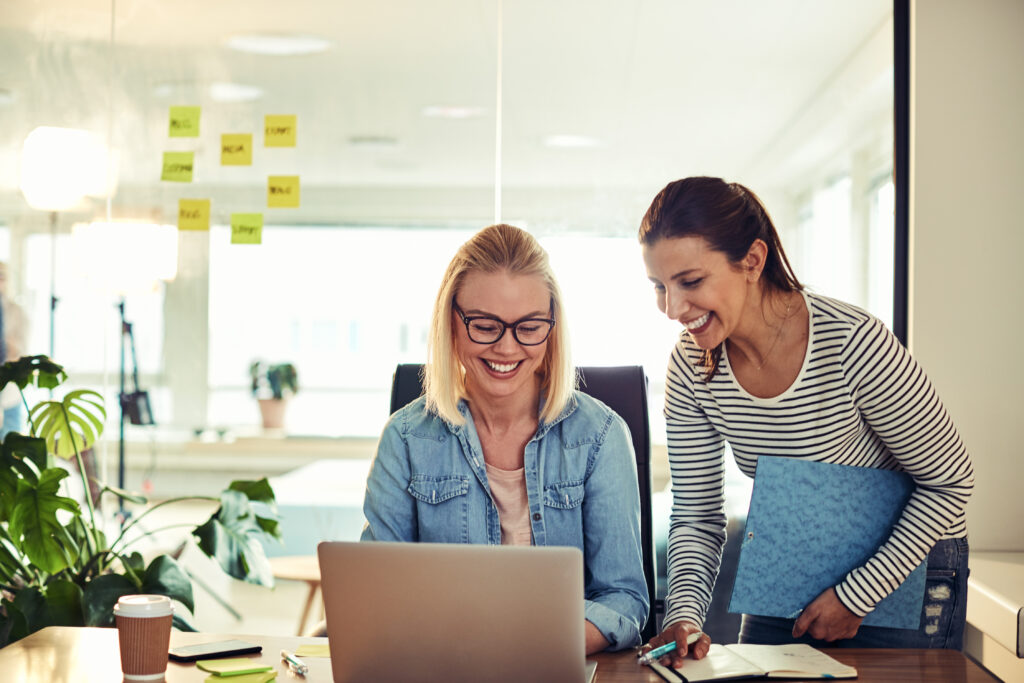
{"x":452,"y":612}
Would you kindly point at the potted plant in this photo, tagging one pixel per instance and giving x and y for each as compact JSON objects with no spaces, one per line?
{"x":272,"y":385}
{"x":58,"y":563}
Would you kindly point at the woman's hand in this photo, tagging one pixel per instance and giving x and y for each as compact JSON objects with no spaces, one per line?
{"x":679,"y":632}
{"x":827,"y":619}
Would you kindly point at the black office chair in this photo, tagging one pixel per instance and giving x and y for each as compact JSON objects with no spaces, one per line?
{"x":624,"y":390}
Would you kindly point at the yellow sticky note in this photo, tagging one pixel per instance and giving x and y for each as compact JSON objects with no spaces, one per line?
{"x":184,"y":122}
{"x":177,"y":167}
{"x":236,"y":149}
{"x":246,"y":228}
{"x":234,"y":668}
{"x":313,"y":651}
{"x":283,"y":191}
{"x":279,"y":130}
{"x":262,"y":677}
{"x":193,"y":214}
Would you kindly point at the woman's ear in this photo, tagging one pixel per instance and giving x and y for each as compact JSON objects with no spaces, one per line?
{"x":753,"y":262}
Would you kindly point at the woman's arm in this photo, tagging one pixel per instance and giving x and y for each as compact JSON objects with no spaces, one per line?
{"x":389,"y":509}
{"x":617,"y":603}
{"x":901,"y":406}
{"x":697,"y":523}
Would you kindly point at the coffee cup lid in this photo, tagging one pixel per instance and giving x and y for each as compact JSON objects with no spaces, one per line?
{"x":143,"y":606}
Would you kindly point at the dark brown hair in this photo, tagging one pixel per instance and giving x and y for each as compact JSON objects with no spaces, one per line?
{"x":729,"y":217}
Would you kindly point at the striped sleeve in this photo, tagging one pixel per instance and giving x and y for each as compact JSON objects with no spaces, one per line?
{"x":901,"y":407}
{"x":697,"y":523}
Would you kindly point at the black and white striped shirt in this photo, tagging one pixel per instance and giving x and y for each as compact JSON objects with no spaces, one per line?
{"x":859,"y":399}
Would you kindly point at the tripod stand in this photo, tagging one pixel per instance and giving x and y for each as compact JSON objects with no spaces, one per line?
{"x":134,"y":405}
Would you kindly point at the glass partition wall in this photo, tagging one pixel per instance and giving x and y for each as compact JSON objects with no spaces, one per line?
{"x":416,"y":123}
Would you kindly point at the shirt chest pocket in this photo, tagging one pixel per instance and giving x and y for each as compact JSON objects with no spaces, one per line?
{"x":563,"y":495}
{"x":436,"y":490}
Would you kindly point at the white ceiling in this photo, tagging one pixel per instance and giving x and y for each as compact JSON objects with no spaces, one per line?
{"x":668,"y":87}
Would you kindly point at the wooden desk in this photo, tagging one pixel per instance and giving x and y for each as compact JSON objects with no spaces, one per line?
{"x":90,"y":655}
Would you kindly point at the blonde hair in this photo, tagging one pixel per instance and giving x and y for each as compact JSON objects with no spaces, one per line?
{"x":495,"y":249}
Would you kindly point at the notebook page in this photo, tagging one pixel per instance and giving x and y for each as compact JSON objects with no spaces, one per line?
{"x":799,"y":660}
{"x":720,"y":664}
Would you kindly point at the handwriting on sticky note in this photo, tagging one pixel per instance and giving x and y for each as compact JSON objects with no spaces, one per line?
{"x":236,"y":149}
{"x":177,"y":167}
{"x":246,"y":228}
{"x":184,"y":122}
{"x":283,"y":191}
{"x":279,"y":130}
{"x":193,"y":214}
{"x":313,"y":650}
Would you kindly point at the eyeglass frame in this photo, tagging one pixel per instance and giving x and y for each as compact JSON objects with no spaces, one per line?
{"x":467,"y":319}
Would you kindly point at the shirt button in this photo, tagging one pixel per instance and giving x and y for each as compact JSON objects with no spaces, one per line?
{"x":536,"y":516}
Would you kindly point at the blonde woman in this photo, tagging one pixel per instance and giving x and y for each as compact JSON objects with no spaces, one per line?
{"x":502,"y":448}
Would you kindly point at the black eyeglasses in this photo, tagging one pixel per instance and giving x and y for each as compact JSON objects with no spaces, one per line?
{"x":485,"y":329}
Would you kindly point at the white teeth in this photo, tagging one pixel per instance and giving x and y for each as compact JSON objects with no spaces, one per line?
{"x":698,"y":323}
{"x":501,"y":367}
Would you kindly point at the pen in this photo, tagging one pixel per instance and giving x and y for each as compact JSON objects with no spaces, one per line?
{"x":657,"y":652}
{"x":294,"y":663}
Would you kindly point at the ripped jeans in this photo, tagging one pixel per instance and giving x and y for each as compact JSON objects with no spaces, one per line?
{"x":943,"y":614}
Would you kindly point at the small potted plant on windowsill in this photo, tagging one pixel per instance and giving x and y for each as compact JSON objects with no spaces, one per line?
{"x":272,"y":385}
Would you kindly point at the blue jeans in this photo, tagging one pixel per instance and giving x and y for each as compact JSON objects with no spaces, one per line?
{"x":943,"y":613}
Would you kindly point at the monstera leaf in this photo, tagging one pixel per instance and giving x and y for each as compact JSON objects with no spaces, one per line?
{"x":232,"y":534}
{"x":70,"y":425}
{"x":37,"y":370}
{"x":34,"y":519}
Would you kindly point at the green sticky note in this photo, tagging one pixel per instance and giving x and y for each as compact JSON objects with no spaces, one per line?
{"x":262,"y":677}
{"x":177,"y":167}
{"x":313,"y":651}
{"x":283,"y":191}
{"x":184,"y":122}
{"x":246,"y":228}
{"x":236,"y":149}
{"x":193,"y":214}
{"x":233,"y":667}
{"x":279,"y":130}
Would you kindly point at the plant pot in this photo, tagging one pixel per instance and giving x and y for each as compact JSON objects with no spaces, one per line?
{"x":272,"y":411}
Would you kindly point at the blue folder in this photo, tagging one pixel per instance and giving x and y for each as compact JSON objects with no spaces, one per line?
{"x":809,"y":524}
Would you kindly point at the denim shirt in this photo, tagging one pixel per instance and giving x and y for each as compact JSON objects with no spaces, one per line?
{"x":428,"y":483}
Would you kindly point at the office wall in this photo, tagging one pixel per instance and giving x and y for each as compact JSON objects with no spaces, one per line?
{"x":967,"y":240}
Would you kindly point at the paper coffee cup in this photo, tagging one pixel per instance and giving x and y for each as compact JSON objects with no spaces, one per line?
{"x":144,"y":634}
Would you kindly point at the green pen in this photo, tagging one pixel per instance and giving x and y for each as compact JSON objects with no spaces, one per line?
{"x":657,"y":652}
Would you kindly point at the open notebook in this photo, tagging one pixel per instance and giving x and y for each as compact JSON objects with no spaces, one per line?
{"x":726,"y":662}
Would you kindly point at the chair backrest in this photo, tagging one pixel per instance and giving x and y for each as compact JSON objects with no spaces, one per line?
{"x":624,"y":390}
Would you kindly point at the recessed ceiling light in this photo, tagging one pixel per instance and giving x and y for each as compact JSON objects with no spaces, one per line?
{"x":278,"y":44}
{"x":234,"y":92}
{"x":572,"y":141}
{"x":373,"y":141}
{"x":452,"y":112}
{"x":6,"y":97}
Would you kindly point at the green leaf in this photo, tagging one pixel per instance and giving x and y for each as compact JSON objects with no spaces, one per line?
{"x":38,"y":370}
{"x":100,"y":596}
{"x":165,"y":576}
{"x":135,"y":562}
{"x":124,"y":495}
{"x":259,"y":490}
{"x":182,"y":624}
{"x":75,"y":422}
{"x":27,"y":612}
{"x":232,"y":537}
{"x":63,"y":603}
{"x":34,"y":518}
{"x":27,"y":448}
